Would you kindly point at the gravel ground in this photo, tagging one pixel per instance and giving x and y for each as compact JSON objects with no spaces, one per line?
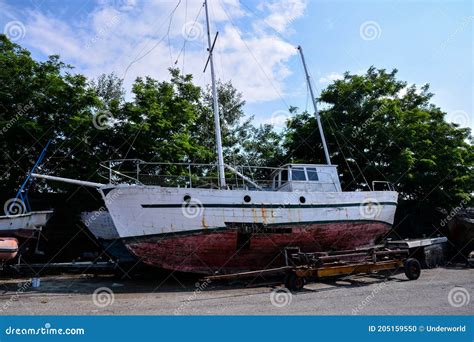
{"x":171,"y":295}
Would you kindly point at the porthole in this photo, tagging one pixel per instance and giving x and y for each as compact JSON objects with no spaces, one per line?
{"x":247,"y":198}
{"x":187,"y":198}
{"x":302,"y":199}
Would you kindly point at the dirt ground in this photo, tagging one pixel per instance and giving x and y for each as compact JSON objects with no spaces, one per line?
{"x":442,"y":291}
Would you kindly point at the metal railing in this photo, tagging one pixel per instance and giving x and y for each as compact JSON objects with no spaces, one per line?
{"x":196,"y":175}
{"x":188,"y":175}
{"x":382,"y":186}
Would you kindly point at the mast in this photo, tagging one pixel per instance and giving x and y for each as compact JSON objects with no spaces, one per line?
{"x":217,"y":123}
{"x":316,"y":113}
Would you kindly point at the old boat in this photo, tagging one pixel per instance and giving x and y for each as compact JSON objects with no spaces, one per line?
{"x":19,"y":223}
{"x":8,"y":249}
{"x":193,"y":222}
{"x":25,"y":225}
{"x":461,"y":229}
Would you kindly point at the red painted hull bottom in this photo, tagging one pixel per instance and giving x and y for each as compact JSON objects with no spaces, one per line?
{"x":18,"y":233}
{"x":220,"y":251}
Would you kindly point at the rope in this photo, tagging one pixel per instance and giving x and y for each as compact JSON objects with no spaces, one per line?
{"x":170,"y":17}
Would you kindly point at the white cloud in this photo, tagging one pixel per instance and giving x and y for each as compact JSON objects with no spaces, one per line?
{"x":118,"y":32}
{"x":331,"y":77}
{"x":402,"y":92}
{"x":283,"y":13}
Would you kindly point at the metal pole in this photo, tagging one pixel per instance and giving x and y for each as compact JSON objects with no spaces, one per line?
{"x":68,"y":180}
{"x":316,"y":113}
{"x":217,"y":124}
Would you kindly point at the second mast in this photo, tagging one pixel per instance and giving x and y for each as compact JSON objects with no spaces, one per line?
{"x":217,"y":124}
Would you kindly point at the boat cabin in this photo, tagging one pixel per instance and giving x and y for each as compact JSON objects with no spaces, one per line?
{"x":306,"y":177}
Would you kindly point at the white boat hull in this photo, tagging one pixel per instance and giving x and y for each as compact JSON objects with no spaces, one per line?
{"x":24,"y":225}
{"x":206,"y":230}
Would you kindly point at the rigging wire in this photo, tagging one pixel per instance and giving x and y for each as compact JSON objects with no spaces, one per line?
{"x":170,"y":17}
{"x":278,"y":33}
{"x":342,"y":152}
{"x":308,"y":94}
{"x":218,"y":55}
{"x":355,"y":161}
{"x":253,"y":56}
{"x":183,"y":48}
{"x":168,"y":37}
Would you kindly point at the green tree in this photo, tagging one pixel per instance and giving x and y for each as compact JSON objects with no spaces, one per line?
{"x":243,"y":143}
{"x":159,"y":121}
{"x":41,"y":101}
{"x":109,"y":88}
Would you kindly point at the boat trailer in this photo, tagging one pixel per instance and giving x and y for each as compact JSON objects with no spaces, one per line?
{"x":304,"y":267}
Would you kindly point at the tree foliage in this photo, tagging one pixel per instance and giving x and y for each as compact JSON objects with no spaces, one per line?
{"x":388,"y":134}
{"x":90,"y":121}
{"x":377,"y":128}
{"x":243,"y":143}
{"x":41,"y":101}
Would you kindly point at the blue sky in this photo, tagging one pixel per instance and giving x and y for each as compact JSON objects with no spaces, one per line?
{"x":427,"y":41}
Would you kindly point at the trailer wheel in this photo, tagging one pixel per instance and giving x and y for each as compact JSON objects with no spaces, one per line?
{"x":412,"y":269}
{"x":294,"y":282}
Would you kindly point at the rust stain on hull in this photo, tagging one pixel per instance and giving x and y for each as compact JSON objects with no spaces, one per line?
{"x":218,"y":251}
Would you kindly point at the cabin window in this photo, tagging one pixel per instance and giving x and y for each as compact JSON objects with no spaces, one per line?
{"x":284,"y":176}
{"x":312,"y":174}
{"x":298,"y":174}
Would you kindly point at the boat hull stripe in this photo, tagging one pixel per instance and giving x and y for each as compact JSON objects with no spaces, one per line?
{"x":219,"y":229}
{"x":269,"y":206}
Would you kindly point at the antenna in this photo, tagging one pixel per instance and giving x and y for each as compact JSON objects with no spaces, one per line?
{"x":316,"y":112}
{"x":217,"y":123}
